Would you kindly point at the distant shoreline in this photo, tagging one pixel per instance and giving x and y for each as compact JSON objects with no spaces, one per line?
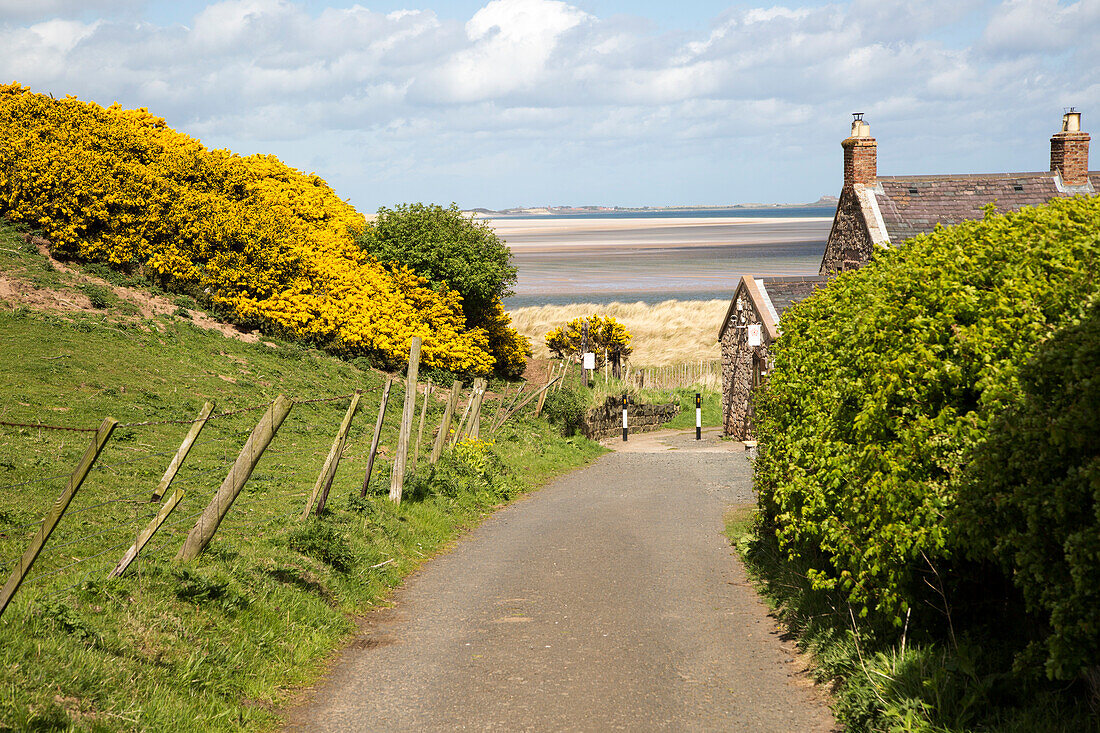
{"x":824,"y":203}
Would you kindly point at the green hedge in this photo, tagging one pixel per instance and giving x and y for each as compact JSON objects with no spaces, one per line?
{"x":1032,"y":499}
{"x":886,"y":379}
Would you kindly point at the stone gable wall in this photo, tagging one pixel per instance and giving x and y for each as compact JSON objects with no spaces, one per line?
{"x":849,"y":245}
{"x":606,"y":421}
{"x":737,"y":369}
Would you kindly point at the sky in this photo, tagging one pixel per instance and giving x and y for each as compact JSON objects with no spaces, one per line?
{"x":595,"y":102}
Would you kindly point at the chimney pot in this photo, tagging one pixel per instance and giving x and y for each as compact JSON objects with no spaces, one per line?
{"x":1069,"y":150}
{"x":860,"y":153}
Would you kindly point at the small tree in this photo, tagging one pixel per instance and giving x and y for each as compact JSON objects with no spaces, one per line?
{"x":458,"y":252}
{"x":607,"y":338}
{"x":448,"y":248}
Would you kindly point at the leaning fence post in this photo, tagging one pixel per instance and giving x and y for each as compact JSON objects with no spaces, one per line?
{"x":445,"y":423}
{"x":54,"y":515}
{"x":203,"y":531}
{"x":397,"y":478}
{"x":500,"y":405}
{"x":542,"y":399}
{"x":523,"y":404}
{"x":377,"y":435}
{"x":474,"y":430}
{"x":420,"y":430}
{"x":462,"y":422}
{"x":147,"y":533}
{"x":328,"y":470}
{"x":181,"y":454}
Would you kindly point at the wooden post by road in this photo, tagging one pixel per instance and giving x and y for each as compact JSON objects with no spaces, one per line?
{"x":462,"y":422}
{"x":475,"y":415}
{"x":54,"y":515}
{"x":181,"y":454}
{"x":521,"y":405}
{"x":377,"y":435}
{"x":328,"y":470}
{"x":445,"y":423}
{"x":203,"y":531}
{"x":420,"y":430}
{"x":397,"y":478}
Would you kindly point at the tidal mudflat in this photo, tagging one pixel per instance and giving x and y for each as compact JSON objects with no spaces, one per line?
{"x":600,"y":260}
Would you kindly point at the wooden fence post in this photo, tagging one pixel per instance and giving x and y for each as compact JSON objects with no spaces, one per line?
{"x":377,"y":435}
{"x":445,"y":423}
{"x":203,"y":531}
{"x":462,"y":422}
{"x":397,"y":478}
{"x":420,"y":430}
{"x":147,"y":533}
{"x":474,"y":430}
{"x":542,"y":396}
{"x":500,"y":405}
{"x":521,"y":405}
{"x":54,"y":515}
{"x":184,"y":449}
{"x":328,"y":469}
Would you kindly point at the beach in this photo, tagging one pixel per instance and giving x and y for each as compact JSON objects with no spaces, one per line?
{"x":600,"y":259}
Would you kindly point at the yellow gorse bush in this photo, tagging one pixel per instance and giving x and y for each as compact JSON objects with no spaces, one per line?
{"x":248,"y":235}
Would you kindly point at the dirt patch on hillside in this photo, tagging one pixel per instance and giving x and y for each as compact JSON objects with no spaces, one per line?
{"x":21,"y":292}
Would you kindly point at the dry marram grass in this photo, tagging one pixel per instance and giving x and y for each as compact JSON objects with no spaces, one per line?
{"x":671,"y":332}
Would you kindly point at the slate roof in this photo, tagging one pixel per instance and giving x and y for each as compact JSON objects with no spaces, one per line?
{"x":783,"y":292}
{"x":912,"y":205}
{"x":772,"y":296}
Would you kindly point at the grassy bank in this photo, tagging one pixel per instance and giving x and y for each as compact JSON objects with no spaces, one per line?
{"x":215,"y":644}
{"x":672,"y":332}
{"x":911,"y":685}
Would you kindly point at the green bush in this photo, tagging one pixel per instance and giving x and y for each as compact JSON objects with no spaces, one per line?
{"x":884,"y":380}
{"x":565,"y":407}
{"x":1032,"y":499}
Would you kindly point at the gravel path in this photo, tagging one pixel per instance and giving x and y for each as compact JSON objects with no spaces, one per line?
{"x":608,"y":600}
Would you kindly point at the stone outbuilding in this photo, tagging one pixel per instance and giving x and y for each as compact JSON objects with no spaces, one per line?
{"x":750,"y":327}
{"x":876,"y":212}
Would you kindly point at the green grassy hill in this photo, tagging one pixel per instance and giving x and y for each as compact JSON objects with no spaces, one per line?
{"x":217,"y":643}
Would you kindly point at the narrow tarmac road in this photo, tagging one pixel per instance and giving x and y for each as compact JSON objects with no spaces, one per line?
{"x":608,"y":600}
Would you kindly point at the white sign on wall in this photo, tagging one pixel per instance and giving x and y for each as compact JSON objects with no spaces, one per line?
{"x":589,"y":360}
{"x":754,"y":335}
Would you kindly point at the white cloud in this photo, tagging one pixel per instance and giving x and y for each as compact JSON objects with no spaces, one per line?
{"x":542,"y":83}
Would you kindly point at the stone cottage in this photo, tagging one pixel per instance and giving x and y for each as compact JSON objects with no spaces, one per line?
{"x":880,"y":211}
{"x":750,"y":327}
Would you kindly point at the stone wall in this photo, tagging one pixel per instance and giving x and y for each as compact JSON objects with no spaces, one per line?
{"x":849,"y":244}
{"x":738,"y":368}
{"x":606,"y":421}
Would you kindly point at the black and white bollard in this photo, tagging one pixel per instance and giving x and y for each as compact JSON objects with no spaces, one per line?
{"x":698,"y":416}
{"x":624,"y":418}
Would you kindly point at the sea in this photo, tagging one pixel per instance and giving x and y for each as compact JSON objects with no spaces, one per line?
{"x":657,"y":255}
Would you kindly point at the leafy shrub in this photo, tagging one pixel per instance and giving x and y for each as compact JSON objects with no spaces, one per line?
{"x":565,"y":407}
{"x":471,"y":467}
{"x":1032,"y":499}
{"x":323,"y":542}
{"x":460,"y":253}
{"x":886,"y":378}
{"x":262,"y":242}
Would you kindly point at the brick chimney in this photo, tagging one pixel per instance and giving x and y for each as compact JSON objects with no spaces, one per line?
{"x":860,"y":153}
{"x":1069,"y":150}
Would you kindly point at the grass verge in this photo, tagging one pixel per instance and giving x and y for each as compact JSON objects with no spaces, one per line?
{"x":902,"y":685}
{"x":216,"y":644}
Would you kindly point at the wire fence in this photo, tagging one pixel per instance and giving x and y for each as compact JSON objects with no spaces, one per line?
{"x":116,"y":502}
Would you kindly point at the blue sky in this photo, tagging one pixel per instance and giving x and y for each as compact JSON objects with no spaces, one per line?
{"x":534,"y":102}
